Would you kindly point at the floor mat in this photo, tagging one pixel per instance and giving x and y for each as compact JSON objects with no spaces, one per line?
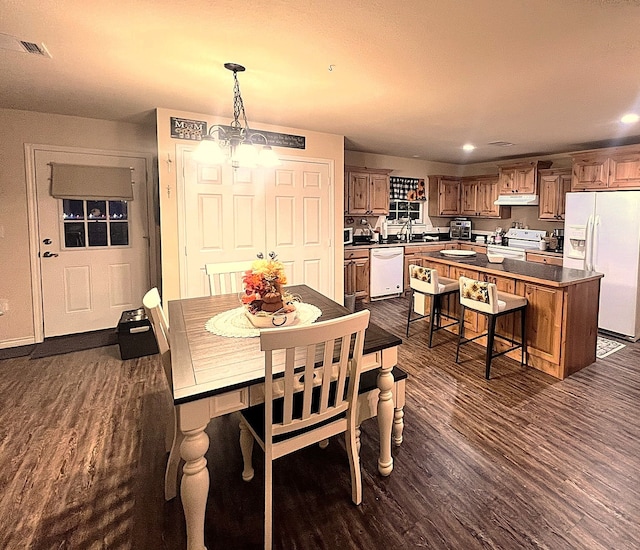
{"x":606,"y":347}
{"x":75,"y":342}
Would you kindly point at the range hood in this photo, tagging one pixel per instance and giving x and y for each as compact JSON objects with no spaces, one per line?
{"x":517,"y":200}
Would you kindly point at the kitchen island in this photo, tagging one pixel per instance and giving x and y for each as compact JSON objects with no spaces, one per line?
{"x":562,"y":310}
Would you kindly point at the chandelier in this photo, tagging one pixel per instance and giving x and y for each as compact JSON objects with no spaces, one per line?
{"x":236,"y":143}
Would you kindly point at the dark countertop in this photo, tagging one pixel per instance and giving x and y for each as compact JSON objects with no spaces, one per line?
{"x":550,"y":275}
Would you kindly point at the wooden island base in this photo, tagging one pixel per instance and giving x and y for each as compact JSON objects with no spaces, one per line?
{"x":562,"y":310}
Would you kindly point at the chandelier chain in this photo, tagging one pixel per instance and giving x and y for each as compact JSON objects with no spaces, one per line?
{"x":238,"y":107}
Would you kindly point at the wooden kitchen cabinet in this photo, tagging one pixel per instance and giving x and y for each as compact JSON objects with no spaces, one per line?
{"x":542,"y":258}
{"x":356,"y":273}
{"x":477,"y":198}
{"x":479,"y":248}
{"x":444,"y":196}
{"x":606,"y":169}
{"x":521,"y":177}
{"x":470,"y":317}
{"x":544,"y":320}
{"x":554,"y":186}
{"x":366,"y":191}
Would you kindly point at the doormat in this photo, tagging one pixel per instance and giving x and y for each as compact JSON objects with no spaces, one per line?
{"x":75,"y":342}
{"x":606,"y":347}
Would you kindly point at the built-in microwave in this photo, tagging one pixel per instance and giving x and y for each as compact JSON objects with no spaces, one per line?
{"x":348,"y":235}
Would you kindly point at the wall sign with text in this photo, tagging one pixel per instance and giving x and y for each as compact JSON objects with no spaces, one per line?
{"x":194,"y":130}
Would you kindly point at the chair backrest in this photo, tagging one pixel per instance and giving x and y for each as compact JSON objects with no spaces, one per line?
{"x":423,"y":279}
{"x":152,"y":304}
{"x":308,"y":354}
{"x":226,"y":278}
{"x":479,"y":295}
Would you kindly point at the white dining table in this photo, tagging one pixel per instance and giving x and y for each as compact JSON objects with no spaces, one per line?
{"x":215,"y":375}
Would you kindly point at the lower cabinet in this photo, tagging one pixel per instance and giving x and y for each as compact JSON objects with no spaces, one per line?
{"x":544,"y":258}
{"x":356,"y":274}
{"x":544,"y":320}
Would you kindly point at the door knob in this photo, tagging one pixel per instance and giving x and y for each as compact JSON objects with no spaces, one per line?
{"x":47,"y":241}
{"x":49,"y":255}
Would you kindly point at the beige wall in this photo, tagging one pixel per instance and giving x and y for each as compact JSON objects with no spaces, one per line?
{"x":16,"y":129}
{"x":318,"y":146}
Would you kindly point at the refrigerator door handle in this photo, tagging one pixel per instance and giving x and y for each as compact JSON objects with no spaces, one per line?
{"x":588,"y":245}
{"x":595,"y":242}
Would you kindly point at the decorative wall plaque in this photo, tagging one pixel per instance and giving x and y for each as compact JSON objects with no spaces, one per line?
{"x":184,"y":128}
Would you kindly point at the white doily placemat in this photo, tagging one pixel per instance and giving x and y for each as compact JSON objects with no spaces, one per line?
{"x":234,"y":323}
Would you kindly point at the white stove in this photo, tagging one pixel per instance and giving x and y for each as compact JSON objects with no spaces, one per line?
{"x":520,"y":240}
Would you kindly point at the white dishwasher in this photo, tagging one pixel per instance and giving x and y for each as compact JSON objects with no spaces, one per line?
{"x":387,"y":267}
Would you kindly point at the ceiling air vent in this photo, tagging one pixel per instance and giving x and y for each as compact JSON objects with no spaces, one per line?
{"x":501,"y":143}
{"x":8,"y":42}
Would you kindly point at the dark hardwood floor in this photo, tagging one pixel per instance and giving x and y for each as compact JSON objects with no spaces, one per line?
{"x":520,"y":461}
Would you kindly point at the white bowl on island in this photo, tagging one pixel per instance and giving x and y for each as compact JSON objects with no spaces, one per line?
{"x":495,"y":258}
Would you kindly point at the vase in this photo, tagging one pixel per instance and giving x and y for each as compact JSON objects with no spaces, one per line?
{"x":262,"y":319}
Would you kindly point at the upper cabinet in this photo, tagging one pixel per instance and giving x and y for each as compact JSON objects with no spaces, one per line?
{"x":554,"y":186}
{"x":444,"y":195}
{"x":469,"y":196}
{"x":602,"y":169}
{"x":520,"y":177}
{"x":366,"y":191}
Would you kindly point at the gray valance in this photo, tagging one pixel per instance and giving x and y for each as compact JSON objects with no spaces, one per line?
{"x":74,"y":181}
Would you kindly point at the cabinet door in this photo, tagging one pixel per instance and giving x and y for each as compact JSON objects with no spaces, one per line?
{"x":544,"y":320}
{"x":449,"y":197}
{"x":468,"y":198}
{"x":548,"y":209}
{"x":525,"y":180}
{"x":470,"y":317}
{"x":486,"y":196}
{"x":361,"y":277}
{"x":349,"y":277}
{"x":505,"y":324}
{"x":590,"y":173}
{"x":624,"y":171}
{"x":379,"y":195}
{"x":506,"y":182}
{"x":564,"y":186}
{"x":358,"y":193}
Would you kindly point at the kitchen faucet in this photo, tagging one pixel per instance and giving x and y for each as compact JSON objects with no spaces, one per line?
{"x":408,"y":226}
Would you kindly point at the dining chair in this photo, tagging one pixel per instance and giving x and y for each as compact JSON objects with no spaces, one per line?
{"x":424,"y":282}
{"x":313,"y":406}
{"x":173,"y":436}
{"x":485,"y":299}
{"x":226,"y":278}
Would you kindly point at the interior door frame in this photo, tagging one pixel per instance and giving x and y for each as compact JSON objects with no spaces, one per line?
{"x":181,"y":149}
{"x":30,"y":150}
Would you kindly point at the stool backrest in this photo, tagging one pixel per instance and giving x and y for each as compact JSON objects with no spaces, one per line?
{"x":479,"y":295}
{"x":423,"y":279}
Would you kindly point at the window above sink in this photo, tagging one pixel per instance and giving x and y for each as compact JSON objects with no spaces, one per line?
{"x":400,"y":211}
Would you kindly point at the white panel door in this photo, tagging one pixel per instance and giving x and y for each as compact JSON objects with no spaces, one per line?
{"x":223,"y":218}
{"x":299,"y":222}
{"x":94,"y":255}
{"x":229,"y":216}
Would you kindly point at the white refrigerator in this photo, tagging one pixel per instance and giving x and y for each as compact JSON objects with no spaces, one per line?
{"x":602,"y":233}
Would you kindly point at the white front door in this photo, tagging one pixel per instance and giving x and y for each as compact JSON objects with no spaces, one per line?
{"x":94,"y":255}
{"x":231,"y":215}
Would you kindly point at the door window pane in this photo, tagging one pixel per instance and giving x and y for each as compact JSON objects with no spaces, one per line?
{"x":119,"y":233}
{"x":97,"y":233}
{"x":72,"y":209}
{"x":74,"y":235}
{"x":117,"y":210}
{"x":97,"y":210}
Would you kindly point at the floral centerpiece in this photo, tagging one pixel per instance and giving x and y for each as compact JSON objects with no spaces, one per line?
{"x":266,"y":302}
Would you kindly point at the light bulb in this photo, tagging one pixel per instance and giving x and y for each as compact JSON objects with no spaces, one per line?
{"x":209,"y":151}
{"x":268,"y":157}
{"x":245,"y":155}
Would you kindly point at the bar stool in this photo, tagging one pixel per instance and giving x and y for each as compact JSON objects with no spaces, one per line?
{"x":484,"y":298}
{"x":425,"y":282}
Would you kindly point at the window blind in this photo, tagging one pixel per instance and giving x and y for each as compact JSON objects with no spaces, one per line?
{"x":74,"y":181}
